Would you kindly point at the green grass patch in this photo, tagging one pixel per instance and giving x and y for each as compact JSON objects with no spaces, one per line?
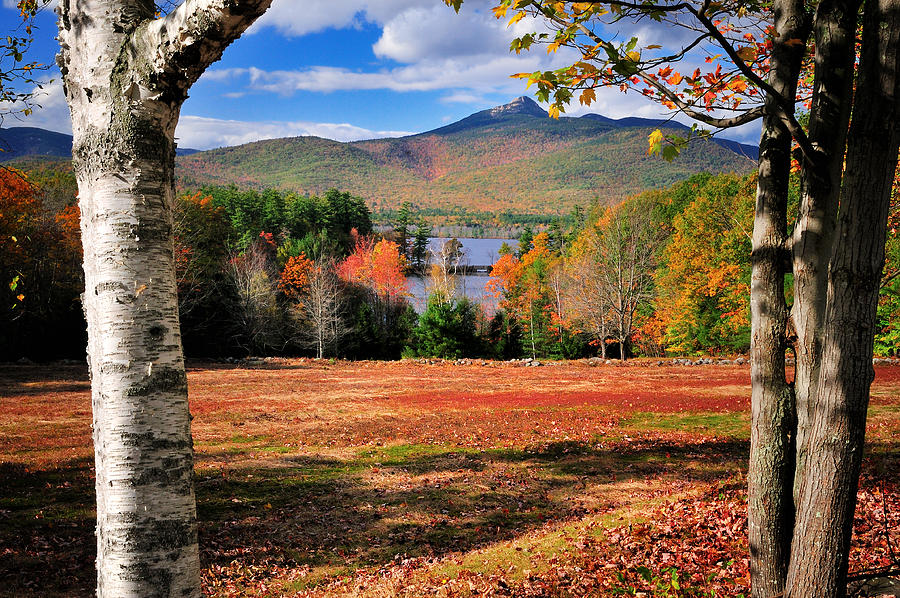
{"x":735,"y":424}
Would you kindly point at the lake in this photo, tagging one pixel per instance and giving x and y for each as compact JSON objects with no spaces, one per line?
{"x":476,"y":252}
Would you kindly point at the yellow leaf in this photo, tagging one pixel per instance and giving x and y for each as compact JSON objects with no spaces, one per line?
{"x":747,"y":53}
{"x":552,"y":47}
{"x":500,"y":11}
{"x":655,"y":140}
{"x":587,"y":96}
{"x":518,"y":17}
{"x":20,"y":297}
{"x":634,"y":56}
{"x":553,"y":111}
{"x":737,"y":85}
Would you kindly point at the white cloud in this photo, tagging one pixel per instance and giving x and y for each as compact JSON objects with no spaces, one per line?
{"x":198,"y":132}
{"x":421,"y":34}
{"x":50,"y":112}
{"x":464,"y":98}
{"x":299,"y":17}
{"x":484,"y":74}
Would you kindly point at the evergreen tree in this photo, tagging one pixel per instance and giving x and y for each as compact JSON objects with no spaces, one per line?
{"x":526,"y":241}
{"x":401,"y":230}
{"x":420,"y":246}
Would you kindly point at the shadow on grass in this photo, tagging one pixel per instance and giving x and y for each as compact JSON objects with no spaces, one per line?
{"x":368,"y":509}
{"x":426,"y":501}
{"x":47,"y":521}
{"x":34,"y":380}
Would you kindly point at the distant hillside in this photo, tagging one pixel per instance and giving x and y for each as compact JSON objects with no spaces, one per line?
{"x":511,"y":158}
{"x":17,"y":143}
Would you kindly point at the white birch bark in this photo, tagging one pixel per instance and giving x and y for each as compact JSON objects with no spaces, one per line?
{"x":126,"y":75}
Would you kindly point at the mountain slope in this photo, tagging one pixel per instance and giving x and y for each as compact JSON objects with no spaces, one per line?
{"x":509,"y":158}
{"x":17,"y":142}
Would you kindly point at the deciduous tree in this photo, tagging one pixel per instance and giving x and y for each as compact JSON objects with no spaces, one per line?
{"x":126,"y":71}
{"x":807,"y":437}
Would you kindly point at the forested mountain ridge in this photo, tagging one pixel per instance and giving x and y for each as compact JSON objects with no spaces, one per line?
{"x":511,"y":158}
{"x":28,"y":143}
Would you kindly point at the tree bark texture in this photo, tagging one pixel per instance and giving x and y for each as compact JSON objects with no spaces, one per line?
{"x":813,"y":235}
{"x":828,"y":498}
{"x":771,"y":469}
{"x":126,"y":75}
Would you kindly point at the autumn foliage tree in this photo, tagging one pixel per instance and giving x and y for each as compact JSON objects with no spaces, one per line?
{"x":40,"y":273}
{"x":703,"y":279}
{"x":383,"y":317}
{"x":530,"y":289}
{"x":764,"y":60}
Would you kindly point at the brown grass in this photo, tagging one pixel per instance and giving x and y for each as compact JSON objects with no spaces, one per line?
{"x":310,"y":470}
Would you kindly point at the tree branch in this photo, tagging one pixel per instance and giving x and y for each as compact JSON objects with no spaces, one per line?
{"x":785,"y":105}
{"x":193,"y":36}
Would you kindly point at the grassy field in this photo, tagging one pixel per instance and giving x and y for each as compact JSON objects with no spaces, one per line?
{"x":382,"y":479}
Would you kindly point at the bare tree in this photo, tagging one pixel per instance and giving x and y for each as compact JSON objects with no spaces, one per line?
{"x":618,"y":273}
{"x":586,"y":299}
{"x":444,"y":272}
{"x":126,"y":72}
{"x":321,"y":308}
{"x":257,"y":315}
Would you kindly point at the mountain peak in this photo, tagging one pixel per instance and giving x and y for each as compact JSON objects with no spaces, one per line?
{"x":520,"y":105}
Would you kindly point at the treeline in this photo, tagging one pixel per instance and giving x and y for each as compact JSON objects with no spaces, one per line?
{"x":462,"y":222}
{"x":664,"y":272}
{"x":41,"y":277}
{"x":278,"y":273}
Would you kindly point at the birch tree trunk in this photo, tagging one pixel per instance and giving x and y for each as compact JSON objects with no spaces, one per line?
{"x":126,"y":75}
{"x":771,"y":469}
{"x":821,"y":543}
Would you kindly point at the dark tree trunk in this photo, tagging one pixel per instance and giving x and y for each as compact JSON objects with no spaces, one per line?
{"x":828,"y":498}
{"x":771,"y":470}
{"x":813,"y":238}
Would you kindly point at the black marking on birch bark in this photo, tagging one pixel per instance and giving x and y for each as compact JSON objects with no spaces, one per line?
{"x":148,"y":441}
{"x":165,"y":380}
{"x":158,"y":580}
{"x":109,"y":286}
{"x":174,"y":480}
{"x":165,"y":534}
{"x":113,"y":367}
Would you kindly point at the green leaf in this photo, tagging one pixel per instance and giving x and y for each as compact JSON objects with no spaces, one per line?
{"x":670,"y":152}
{"x":455,"y":4}
{"x":645,"y":573}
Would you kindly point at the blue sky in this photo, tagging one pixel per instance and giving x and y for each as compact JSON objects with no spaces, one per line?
{"x":348,"y":69}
